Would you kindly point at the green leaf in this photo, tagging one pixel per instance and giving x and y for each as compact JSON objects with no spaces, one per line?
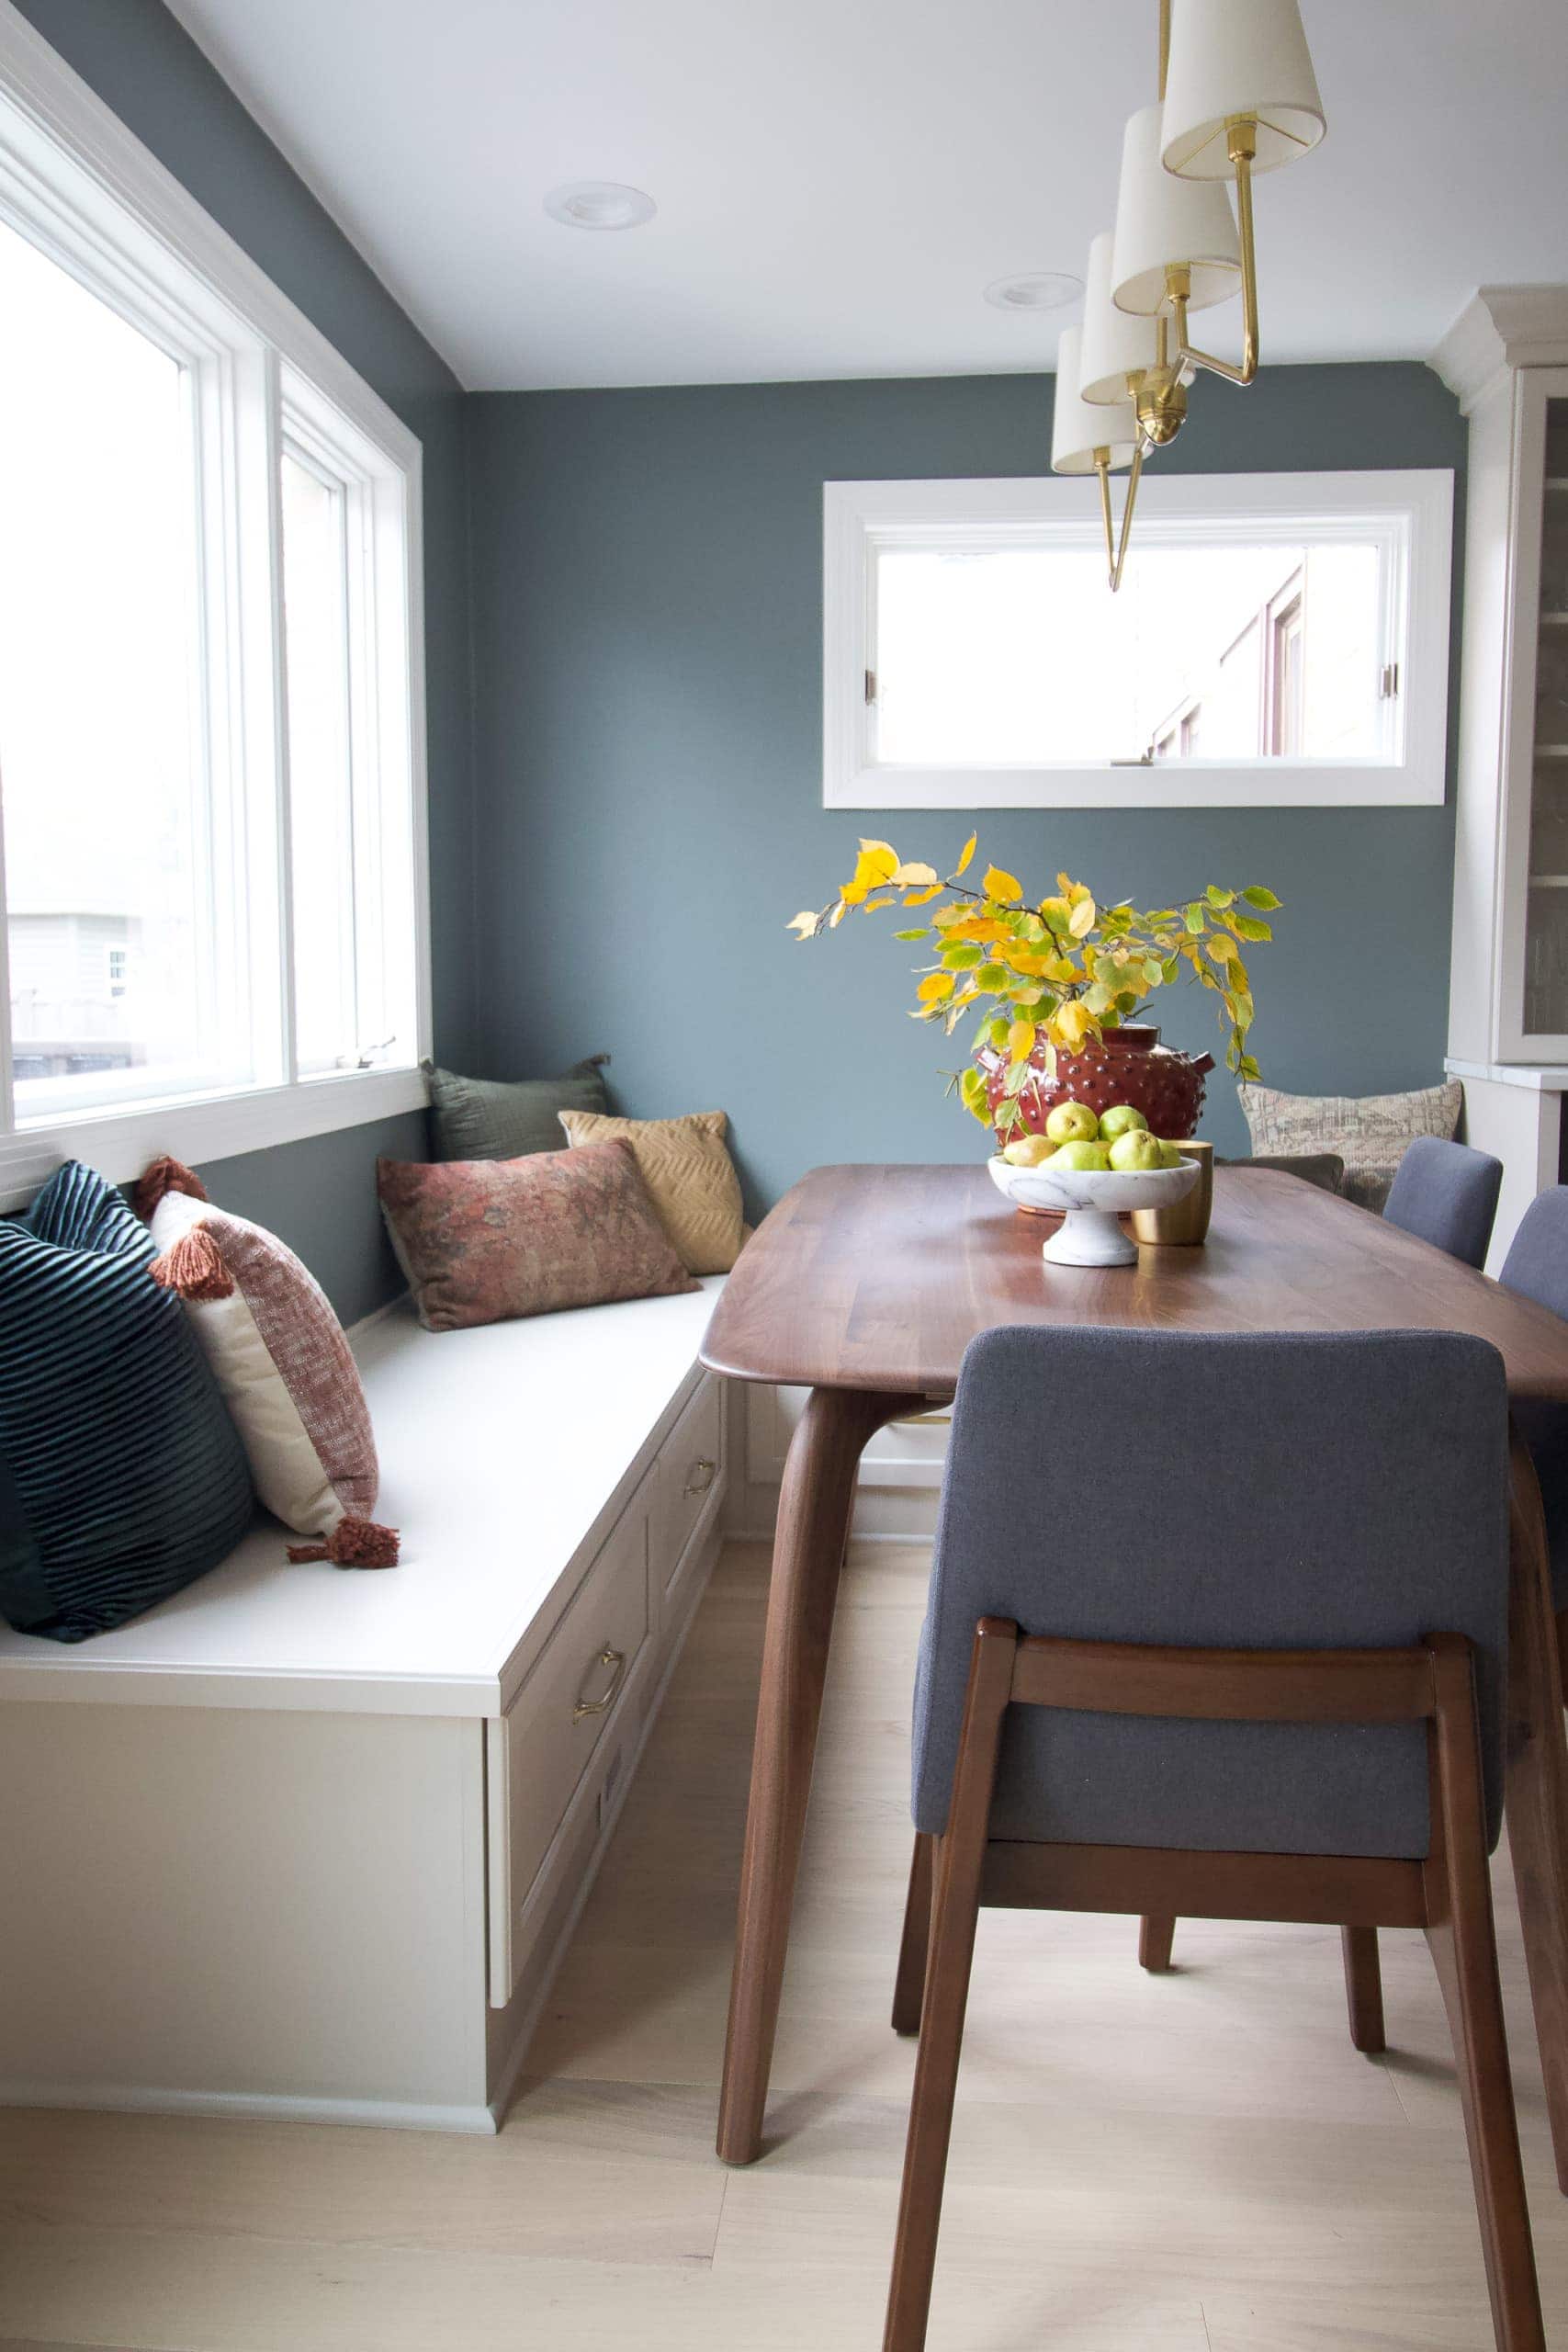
{"x":991,"y":977}
{"x":1193,"y":918}
{"x":1218,"y":898}
{"x":1248,"y":1069}
{"x":1170,"y":969}
{"x":910,"y":934}
{"x":996,"y":1034}
{"x":1248,"y":927}
{"x":963,"y":957}
{"x":1264,"y":900}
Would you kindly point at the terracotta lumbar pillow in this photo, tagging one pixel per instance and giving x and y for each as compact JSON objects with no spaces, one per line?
{"x":686,"y":1166}
{"x":481,"y":1240}
{"x":281,"y":1359}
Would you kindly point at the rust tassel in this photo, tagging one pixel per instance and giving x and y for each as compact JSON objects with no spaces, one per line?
{"x":194,"y":1267}
{"x":353,"y":1544}
{"x":161,"y":1176}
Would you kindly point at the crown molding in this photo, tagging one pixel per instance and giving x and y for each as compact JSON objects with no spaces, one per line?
{"x":1502,"y":328}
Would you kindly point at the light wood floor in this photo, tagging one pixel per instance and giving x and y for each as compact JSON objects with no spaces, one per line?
{"x":1199,"y":2163}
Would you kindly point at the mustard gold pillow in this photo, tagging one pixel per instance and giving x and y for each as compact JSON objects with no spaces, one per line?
{"x":686,"y":1166}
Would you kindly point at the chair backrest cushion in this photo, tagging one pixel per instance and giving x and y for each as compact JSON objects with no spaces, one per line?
{"x":1537,"y":1267}
{"x":1447,"y":1194}
{"x":1250,"y":1491}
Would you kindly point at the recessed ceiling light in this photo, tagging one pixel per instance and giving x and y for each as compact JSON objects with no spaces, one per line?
{"x":1036,"y":289}
{"x":600,"y":204}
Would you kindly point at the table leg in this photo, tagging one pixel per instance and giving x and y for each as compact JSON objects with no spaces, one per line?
{"x":814,"y":1501}
{"x":1537,"y":1791}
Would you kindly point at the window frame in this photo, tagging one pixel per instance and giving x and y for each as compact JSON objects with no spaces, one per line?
{"x":82,"y":188}
{"x":1409,"y":513}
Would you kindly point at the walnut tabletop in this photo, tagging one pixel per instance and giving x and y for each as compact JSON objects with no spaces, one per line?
{"x":876,"y":1278}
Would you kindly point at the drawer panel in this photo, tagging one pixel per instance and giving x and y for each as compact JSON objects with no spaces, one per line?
{"x":690,"y":1468}
{"x":579,"y":1689}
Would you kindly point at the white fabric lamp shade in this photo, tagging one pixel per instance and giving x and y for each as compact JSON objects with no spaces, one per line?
{"x":1164,"y":222}
{"x":1078,"y":430}
{"x":1237,"y":57}
{"x":1115,"y":344}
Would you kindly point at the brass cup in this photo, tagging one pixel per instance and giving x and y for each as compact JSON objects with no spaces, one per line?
{"x":1188,"y":1221}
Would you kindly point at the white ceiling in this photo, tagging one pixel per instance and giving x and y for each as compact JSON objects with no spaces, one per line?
{"x":838,"y":180}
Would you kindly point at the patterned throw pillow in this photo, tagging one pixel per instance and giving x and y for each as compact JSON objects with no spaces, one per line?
{"x":480,"y":1240}
{"x":686,"y":1166}
{"x":278,"y":1354}
{"x":121,"y":1477}
{"x":1370,"y":1132}
{"x":487,"y":1118}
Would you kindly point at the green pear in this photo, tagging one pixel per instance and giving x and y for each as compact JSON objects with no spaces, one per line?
{"x":1120,"y":1119}
{"x":1133,"y":1152}
{"x":1080,"y":1155}
{"x":1072,"y":1122}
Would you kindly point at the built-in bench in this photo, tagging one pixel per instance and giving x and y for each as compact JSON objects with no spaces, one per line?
{"x":310,"y":1842}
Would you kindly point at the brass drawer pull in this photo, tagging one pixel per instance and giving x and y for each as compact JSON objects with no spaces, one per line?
{"x":700,"y":1477}
{"x":617,"y":1661}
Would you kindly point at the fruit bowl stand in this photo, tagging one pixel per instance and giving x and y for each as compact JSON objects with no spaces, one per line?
{"x":1089,"y":1200}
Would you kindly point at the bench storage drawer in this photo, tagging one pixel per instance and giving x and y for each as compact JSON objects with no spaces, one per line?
{"x":587,"y":1681}
{"x":690,"y":1472}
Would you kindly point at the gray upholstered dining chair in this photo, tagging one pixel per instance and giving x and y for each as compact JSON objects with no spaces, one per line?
{"x":1278,"y":1695}
{"x":1446,"y":1193}
{"x":1537,"y":1267}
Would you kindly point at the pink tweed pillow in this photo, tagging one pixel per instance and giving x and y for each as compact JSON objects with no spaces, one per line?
{"x":484,"y":1239}
{"x":279,"y":1356}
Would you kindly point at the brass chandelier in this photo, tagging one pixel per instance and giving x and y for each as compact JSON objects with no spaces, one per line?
{"x":1237,"y":95}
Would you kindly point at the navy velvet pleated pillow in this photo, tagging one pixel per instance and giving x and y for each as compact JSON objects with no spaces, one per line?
{"x":121,"y":1476}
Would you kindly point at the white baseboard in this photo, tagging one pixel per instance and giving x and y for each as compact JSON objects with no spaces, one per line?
{"x":262,"y":2106}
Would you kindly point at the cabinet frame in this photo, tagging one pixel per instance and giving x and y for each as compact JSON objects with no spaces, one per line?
{"x":1534,"y":387}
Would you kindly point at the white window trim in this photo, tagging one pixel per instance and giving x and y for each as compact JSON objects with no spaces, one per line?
{"x":1414,"y":508}
{"x":131,"y":206}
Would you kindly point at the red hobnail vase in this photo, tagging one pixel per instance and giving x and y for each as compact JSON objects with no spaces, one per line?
{"x":1130,"y":1066}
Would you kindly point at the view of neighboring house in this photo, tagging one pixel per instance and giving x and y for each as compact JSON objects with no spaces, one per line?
{"x":73,"y":1006}
{"x":1293,"y":678}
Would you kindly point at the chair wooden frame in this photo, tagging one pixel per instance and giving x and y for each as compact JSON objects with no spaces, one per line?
{"x":1449,"y":1895}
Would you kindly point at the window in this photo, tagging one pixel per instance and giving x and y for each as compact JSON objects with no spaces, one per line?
{"x":211,"y":781}
{"x":1278,"y":641}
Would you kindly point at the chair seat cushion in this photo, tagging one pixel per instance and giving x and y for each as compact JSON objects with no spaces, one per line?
{"x":124,"y":1475}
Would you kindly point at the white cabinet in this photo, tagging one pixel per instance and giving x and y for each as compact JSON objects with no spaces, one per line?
{"x":1507,"y":358}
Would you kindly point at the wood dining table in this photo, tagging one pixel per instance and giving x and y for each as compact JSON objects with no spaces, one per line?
{"x":865,"y":1285}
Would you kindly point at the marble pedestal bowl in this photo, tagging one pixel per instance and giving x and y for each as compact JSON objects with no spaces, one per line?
{"x":1090,"y":1201}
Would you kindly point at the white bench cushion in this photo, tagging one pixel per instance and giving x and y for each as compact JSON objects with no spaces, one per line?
{"x":506,"y":1453}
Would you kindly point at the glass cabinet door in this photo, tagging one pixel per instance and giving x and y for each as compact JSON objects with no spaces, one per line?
{"x":1540,"y":763}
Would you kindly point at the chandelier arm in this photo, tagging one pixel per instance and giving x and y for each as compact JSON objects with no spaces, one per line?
{"x":1242,"y":139}
{"x":1116,"y":548}
{"x":1132,"y":480}
{"x":1102,"y":468}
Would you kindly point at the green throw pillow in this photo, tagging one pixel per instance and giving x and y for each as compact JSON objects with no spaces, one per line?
{"x":488,"y":1118}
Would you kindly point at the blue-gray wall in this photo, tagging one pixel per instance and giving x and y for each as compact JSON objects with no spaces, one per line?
{"x":648,"y":667}
{"x":321,"y":1195}
{"x":624,"y":607}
